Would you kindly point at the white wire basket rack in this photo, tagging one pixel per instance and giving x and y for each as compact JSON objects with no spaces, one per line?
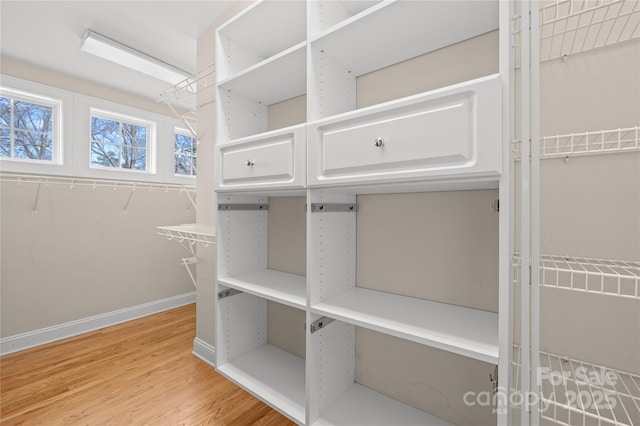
{"x":599,"y":276}
{"x":577,"y":393}
{"x":568,"y":27}
{"x":586,"y":143}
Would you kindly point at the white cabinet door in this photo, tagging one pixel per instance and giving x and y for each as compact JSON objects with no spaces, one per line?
{"x":274,"y":160}
{"x":453,"y":131}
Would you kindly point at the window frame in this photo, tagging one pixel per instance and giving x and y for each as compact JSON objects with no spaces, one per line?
{"x":56,"y":105}
{"x":185,"y":132}
{"x":150,"y":149}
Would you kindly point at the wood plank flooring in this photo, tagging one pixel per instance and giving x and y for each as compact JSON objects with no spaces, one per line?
{"x":138,"y":373}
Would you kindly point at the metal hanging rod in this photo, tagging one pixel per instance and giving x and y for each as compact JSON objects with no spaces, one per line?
{"x":20,"y":179}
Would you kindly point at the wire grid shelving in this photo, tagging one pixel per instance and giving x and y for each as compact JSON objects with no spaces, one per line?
{"x":577,"y":393}
{"x":46,"y":180}
{"x":598,"y":276}
{"x":191,"y":86}
{"x":568,"y":27}
{"x":189,"y":234}
{"x":586,"y":143}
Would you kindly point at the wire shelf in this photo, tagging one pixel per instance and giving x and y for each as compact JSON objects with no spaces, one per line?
{"x":20,"y":179}
{"x":599,"y":276}
{"x":577,"y":393}
{"x":189,"y":234}
{"x":568,"y":27}
{"x":587,"y":143}
{"x":190,"y":86}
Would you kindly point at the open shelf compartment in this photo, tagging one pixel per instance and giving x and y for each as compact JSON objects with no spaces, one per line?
{"x":391,"y":32}
{"x":282,"y":287}
{"x":361,"y":377}
{"x":281,"y":77}
{"x":250,"y":38}
{"x":465,"y":331}
{"x":248,"y":359}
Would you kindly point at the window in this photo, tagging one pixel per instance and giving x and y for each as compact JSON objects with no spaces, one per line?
{"x":120,"y":142}
{"x":29,"y":127}
{"x":184,"y":158}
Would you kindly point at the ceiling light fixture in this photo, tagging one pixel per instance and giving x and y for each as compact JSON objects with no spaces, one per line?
{"x":113,"y":51}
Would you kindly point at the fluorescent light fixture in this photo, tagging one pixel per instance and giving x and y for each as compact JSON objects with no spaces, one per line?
{"x":113,"y":51}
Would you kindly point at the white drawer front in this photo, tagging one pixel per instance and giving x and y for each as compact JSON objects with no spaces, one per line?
{"x":268,"y":162}
{"x":426,"y":135}
{"x":452,"y":133}
{"x":271,"y":160}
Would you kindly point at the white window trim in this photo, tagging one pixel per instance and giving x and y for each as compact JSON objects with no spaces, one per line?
{"x":75,"y":130}
{"x":56,"y":134}
{"x":151,"y":148}
{"x":184,"y":132}
{"x":62,"y":103}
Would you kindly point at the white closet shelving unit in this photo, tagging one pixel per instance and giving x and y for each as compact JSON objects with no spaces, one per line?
{"x":451,"y":138}
{"x":574,"y":33}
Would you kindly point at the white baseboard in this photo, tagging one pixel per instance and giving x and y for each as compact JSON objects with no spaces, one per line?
{"x":204,"y":351}
{"x":42,"y":336}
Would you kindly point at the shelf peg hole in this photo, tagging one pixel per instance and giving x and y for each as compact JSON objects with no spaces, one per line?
{"x":250,"y":163}
{"x":379,"y":142}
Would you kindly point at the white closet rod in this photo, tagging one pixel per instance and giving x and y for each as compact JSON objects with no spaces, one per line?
{"x":19,"y":179}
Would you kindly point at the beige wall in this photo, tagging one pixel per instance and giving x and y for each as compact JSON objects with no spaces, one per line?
{"x":81,"y":255}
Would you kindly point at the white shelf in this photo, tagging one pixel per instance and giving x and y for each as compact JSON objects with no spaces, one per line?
{"x":281,"y":287}
{"x":359,"y":405}
{"x":464,"y":331}
{"x":259,"y":33}
{"x":561,"y":383}
{"x":191,"y":233}
{"x":276,"y":79}
{"x":273,"y":375}
{"x":587,"y":143}
{"x":569,"y":27}
{"x":391,"y":32}
{"x":619,"y":278}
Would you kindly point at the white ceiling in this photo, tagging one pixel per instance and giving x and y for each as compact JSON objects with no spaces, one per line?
{"x":48,"y":34}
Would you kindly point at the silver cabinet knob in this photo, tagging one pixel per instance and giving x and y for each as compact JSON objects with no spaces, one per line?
{"x":379,"y":142}
{"x":250,"y":163}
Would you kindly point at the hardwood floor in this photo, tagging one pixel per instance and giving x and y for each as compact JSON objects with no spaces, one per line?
{"x":138,"y":373}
